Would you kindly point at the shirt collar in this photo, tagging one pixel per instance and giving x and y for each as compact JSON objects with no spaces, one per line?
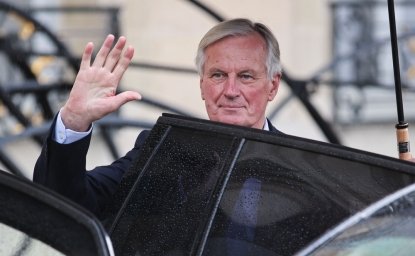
{"x":266,"y":126}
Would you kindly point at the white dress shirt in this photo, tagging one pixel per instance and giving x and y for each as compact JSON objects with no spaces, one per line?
{"x":67,"y":136}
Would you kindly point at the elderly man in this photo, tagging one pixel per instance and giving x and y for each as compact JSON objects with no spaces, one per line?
{"x":239,"y":66}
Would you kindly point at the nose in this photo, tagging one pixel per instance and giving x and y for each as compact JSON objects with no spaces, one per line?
{"x":231,"y":88}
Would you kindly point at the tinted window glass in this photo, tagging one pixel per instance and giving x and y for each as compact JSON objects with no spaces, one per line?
{"x":40,"y":215}
{"x":382,"y":229}
{"x":15,"y":242}
{"x":216,"y":189}
{"x":278,"y":199}
{"x":167,"y":209}
{"x":387,"y":235}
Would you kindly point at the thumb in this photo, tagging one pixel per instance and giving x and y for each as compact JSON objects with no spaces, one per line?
{"x":124,"y":97}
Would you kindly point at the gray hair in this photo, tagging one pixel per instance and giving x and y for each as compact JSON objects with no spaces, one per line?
{"x":241,"y":27}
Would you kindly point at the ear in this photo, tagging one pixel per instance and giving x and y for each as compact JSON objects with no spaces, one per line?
{"x":275,"y":85}
{"x":201,"y":88}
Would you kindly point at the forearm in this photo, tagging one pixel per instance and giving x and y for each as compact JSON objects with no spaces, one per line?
{"x":61,"y":168}
{"x":62,"y":163}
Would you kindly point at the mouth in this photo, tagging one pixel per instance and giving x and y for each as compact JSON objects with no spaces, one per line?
{"x":230,"y":108}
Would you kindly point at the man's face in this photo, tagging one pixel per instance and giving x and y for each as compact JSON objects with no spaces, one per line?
{"x":234,"y":84}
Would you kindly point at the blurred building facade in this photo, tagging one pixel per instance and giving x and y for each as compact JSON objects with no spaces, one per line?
{"x":312,"y":35}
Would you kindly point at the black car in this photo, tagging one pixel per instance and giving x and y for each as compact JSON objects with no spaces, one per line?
{"x":36,"y":221}
{"x":205,"y":188}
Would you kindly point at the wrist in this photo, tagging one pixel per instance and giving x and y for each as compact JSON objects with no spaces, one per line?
{"x":74,"y":121}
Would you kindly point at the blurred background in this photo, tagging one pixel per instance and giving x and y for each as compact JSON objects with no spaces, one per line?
{"x":338,"y":74}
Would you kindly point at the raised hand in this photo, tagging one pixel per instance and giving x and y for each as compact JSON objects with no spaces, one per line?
{"x":93,"y":94}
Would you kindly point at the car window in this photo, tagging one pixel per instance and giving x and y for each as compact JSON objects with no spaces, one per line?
{"x":168,"y":205}
{"x":34,"y":218}
{"x":384,"y":228}
{"x":15,"y":242}
{"x":278,"y":199}
{"x":377,"y":236}
{"x":203,"y":188}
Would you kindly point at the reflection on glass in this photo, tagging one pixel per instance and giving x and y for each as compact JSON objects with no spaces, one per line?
{"x":378,"y":236}
{"x":171,"y":199}
{"x":279,"y":199}
{"x":16,"y":243}
{"x":386,"y":228}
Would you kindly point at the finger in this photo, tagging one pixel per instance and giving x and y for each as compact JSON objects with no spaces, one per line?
{"x":120,"y":99}
{"x":103,"y":51}
{"x":129,"y":96}
{"x":86,"y":56}
{"x":123,"y":63}
{"x":115,"y":54}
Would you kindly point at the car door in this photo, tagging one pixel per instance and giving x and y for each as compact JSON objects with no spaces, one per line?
{"x":204,"y":188}
{"x":36,"y":221}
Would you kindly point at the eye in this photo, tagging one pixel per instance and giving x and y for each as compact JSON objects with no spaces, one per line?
{"x":246,"y":77}
{"x":218,"y":75}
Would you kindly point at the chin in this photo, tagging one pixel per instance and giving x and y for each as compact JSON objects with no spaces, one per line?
{"x":232,"y":120}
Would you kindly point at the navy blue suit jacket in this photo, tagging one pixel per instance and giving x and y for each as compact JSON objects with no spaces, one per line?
{"x":62,"y":168}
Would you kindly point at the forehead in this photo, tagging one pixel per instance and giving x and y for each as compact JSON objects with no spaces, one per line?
{"x":237,"y":51}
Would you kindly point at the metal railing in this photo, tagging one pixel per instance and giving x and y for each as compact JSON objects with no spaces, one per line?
{"x":46,"y":95}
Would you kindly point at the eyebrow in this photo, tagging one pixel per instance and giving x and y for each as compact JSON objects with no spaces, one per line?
{"x":239,"y":72}
{"x":247,"y":71}
{"x":214,"y":70}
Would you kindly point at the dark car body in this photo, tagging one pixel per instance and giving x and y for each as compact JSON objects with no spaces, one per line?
{"x":37,"y":221}
{"x":205,"y":188}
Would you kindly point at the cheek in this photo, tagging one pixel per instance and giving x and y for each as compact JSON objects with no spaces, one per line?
{"x":257,"y":99}
{"x":254,"y":95}
{"x":210,"y":93}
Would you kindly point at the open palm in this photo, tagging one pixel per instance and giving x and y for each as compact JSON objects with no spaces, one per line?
{"x":94,"y":91}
